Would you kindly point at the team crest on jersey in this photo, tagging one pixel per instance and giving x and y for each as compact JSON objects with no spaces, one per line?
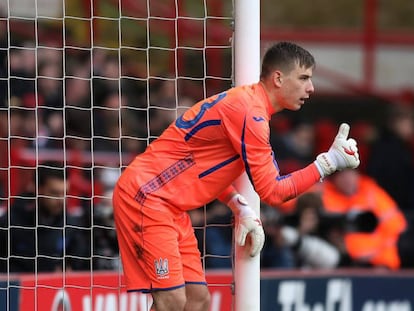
{"x":161,"y":268}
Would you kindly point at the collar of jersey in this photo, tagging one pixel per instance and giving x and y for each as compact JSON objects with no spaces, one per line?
{"x":268,"y":104}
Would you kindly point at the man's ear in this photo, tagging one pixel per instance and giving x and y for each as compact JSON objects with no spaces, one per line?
{"x":277,"y":78}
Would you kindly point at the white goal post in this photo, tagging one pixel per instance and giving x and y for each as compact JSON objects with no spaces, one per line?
{"x":246,"y":47}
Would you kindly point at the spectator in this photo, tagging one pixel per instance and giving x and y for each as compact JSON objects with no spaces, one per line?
{"x":307,"y":214}
{"x":106,"y":78}
{"x":50,"y":84}
{"x":391,"y":159}
{"x":275,"y":252}
{"x":165,"y":104}
{"x":295,"y":149}
{"x":105,"y":246}
{"x":301,"y":234}
{"x":54,"y":131}
{"x":372,"y":238}
{"x":77,"y":106}
{"x":106,"y":125}
{"x":43,"y":237}
{"x":22,"y":65}
{"x":115,"y":120}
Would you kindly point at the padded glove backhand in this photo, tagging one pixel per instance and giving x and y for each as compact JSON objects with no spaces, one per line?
{"x":247,"y":223}
{"x":342,"y":154}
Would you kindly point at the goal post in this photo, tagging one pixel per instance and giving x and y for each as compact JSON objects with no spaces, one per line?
{"x":246,"y":71}
{"x":80,"y":88}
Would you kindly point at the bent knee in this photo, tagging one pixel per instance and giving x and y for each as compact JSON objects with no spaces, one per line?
{"x":205,"y":301}
{"x":198,"y":298}
{"x":174,"y":300}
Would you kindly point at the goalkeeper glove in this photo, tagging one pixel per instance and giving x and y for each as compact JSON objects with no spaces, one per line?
{"x":342,"y":154}
{"x":247,"y":222}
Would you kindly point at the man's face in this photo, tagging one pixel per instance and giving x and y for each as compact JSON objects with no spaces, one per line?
{"x":52,"y":196}
{"x":346,"y":181}
{"x":295,"y":87}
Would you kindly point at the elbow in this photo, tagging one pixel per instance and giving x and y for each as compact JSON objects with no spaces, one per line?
{"x":274,"y":199}
{"x":283,"y":204}
{"x":278,"y":192}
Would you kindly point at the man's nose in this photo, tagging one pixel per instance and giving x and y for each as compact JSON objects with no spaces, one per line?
{"x":310,"y":88}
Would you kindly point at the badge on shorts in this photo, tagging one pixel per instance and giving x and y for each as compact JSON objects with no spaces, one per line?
{"x":161,"y":268}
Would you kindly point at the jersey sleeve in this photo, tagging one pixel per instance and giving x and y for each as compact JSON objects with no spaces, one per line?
{"x":249,"y":132}
{"x":227,"y":194}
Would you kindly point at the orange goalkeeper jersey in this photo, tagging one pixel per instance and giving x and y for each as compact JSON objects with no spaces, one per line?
{"x":207,"y":148}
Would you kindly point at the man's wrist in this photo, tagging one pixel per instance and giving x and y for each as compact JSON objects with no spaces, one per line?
{"x":320,"y":170}
{"x":238,"y":204}
{"x":325,"y":164}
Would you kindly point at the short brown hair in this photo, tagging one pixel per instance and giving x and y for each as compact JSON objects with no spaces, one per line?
{"x":283,"y":56}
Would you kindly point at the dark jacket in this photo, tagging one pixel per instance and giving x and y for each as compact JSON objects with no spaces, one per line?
{"x":41,"y":242}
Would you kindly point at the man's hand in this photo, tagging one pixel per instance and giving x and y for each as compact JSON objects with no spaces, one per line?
{"x":342,"y":154}
{"x":247,"y":222}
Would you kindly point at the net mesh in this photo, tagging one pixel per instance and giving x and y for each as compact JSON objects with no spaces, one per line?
{"x":84,"y":87}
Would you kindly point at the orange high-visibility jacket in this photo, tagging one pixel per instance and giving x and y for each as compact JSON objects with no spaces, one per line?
{"x":379,"y":247}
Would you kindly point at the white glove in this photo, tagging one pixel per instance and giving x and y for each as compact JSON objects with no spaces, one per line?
{"x":342,"y":154}
{"x":247,"y":222}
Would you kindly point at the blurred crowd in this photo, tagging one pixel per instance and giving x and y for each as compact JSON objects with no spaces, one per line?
{"x":68,"y":125}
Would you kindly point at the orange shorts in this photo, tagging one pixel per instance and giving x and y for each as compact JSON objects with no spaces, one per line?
{"x":158,"y":248}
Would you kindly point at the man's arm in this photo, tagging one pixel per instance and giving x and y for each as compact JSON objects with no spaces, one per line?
{"x":275,"y":189}
{"x":342,"y":154}
{"x":249,"y":134}
{"x":227,"y":194}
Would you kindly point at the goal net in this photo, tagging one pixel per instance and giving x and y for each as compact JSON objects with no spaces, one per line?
{"x":84,"y":87}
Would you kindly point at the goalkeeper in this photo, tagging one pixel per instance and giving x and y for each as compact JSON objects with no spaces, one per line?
{"x":196,"y":160}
